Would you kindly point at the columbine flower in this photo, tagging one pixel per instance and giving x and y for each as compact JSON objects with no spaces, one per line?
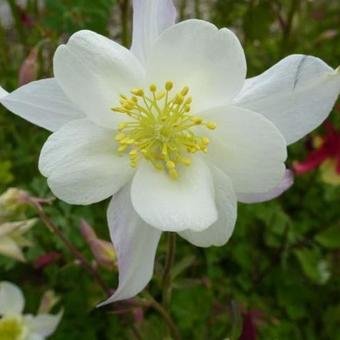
{"x":171,"y":128}
{"x":12,"y":238}
{"x":15,"y":325}
{"x":326,"y":155}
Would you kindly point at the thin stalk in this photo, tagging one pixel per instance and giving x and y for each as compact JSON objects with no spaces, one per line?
{"x":295,"y":4}
{"x":18,"y":23}
{"x":4,"y":47}
{"x":73,"y":250}
{"x":164,"y":314}
{"x":198,"y":13}
{"x":182,"y":9}
{"x":167,"y":276}
{"x":124,"y":6}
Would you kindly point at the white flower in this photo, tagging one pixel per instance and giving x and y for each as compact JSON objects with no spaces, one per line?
{"x":12,"y":238}
{"x":14,"y":325}
{"x":158,"y":104}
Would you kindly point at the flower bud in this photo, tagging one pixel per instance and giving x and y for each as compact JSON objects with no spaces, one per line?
{"x":48,"y":301}
{"x":87,"y":231}
{"x":12,"y":203}
{"x":104,"y":253}
{"x":29,"y":68}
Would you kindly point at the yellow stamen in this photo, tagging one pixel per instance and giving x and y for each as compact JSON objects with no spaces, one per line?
{"x":153,"y":88}
{"x":160,"y":128}
{"x":169,"y":85}
{"x":138,"y":92}
{"x":211,"y":125}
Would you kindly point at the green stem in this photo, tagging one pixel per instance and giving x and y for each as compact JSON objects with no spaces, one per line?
{"x":182,"y":8}
{"x":164,"y":314}
{"x":4,"y":47}
{"x":18,"y":24}
{"x":198,"y":13}
{"x":167,"y":276}
{"x":295,"y":4}
{"x":72,"y":249}
{"x":124,"y":6}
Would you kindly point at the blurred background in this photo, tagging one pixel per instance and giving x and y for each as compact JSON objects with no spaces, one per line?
{"x":277,"y":278}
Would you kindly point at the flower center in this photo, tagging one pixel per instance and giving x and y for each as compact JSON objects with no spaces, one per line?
{"x":161,"y":129}
{"x":11,"y":328}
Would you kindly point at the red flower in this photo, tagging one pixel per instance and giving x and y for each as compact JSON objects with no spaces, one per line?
{"x":325,"y":155}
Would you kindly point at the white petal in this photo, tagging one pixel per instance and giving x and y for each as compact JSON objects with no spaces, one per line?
{"x":248,"y":148}
{"x":81,"y":163}
{"x":150,"y":18}
{"x":34,"y":337}
{"x":220,"y":232}
{"x":3,"y":93}
{"x":175,"y":205}
{"x":296,"y":94}
{"x":10,"y":248}
{"x":135,"y":243}
{"x":284,"y":185}
{"x":195,"y":53}
{"x":42,"y":103}
{"x":12,"y":300}
{"x":93,"y":71}
{"x":44,"y":324}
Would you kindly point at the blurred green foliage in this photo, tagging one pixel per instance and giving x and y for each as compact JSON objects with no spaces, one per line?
{"x":281,"y":267}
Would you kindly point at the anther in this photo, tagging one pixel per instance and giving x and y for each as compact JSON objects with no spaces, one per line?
{"x":186,"y":161}
{"x":122,"y":126}
{"x":120,"y":136}
{"x":138,"y":92}
{"x":205,"y":140}
{"x":133,"y":154}
{"x":179,"y":99}
{"x":185,"y":91}
{"x":122,"y":148}
{"x":197,"y":120}
{"x":211,"y":125}
{"x":188,"y":100}
{"x":153,"y":88}
{"x":173,"y":173}
{"x":169,"y":85}
{"x":170,"y":165}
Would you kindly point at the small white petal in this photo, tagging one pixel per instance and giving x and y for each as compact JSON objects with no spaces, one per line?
{"x":42,"y":103}
{"x":93,"y":71}
{"x":12,"y":300}
{"x":81,"y":163}
{"x":150,"y":18}
{"x":195,"y":53}
{"x":42,"y":325}
{"x":175,"y":205}
{"x":296,"y":94}
{"x":135,"y":243}
{"x":3,"y":93}
{"x":220,"y":232}
{"x":248,"y":148}
{"x":284,"y":185}
{"x":10,"y":248}
{"x":34,"y":337}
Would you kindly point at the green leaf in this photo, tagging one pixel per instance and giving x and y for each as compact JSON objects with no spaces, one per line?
{"x":313,"y":265}
{"x":330,"y":237}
